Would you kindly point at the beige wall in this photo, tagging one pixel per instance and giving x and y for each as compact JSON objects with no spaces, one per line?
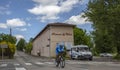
{"x":40,"y":44}
{"x":35,"y":48}
{"x":60,"y":34}
{"x":56,"y":34}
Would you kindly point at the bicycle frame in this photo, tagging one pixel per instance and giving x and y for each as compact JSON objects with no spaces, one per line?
{"x":61,"y":62}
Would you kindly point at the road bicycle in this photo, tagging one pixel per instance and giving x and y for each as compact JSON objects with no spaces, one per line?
{"x":60,"y":62}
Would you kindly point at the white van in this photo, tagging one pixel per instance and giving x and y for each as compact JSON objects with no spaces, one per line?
{"x":81,"y":52}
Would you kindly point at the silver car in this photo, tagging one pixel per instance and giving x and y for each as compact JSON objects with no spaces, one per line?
{"x":106,"y":55}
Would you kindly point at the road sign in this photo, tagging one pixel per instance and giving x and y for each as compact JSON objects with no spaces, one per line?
{"x":3,"y":46}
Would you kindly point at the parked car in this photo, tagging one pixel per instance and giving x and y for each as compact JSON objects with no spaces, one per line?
{"x":81,"y":52}
{"x":106,"y":55}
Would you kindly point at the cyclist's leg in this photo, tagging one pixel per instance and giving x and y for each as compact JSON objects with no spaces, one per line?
{"x":56,"y":57}
{"x":63,"y":60}
{"x":63,"y":55}
{"x":57,"y":60}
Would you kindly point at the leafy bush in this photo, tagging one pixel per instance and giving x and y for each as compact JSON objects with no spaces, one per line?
{"x":117,"y":57}
{"x":10,"y":51}
{"x":28,"y":48}
{"x":1,"y":48}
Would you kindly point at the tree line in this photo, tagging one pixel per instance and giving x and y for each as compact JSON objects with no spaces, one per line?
{"x":22,"y":45}
{"x":104,"y":14}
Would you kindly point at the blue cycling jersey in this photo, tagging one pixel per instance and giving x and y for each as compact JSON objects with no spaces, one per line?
{"x":59,"y":49}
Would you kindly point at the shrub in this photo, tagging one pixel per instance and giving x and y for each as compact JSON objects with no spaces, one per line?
{"x":28,"y":48}
{"x":117,"y":57}
{"x":10,"y":51}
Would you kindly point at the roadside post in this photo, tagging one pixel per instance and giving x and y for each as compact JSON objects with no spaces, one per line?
{"x":2,"y":46}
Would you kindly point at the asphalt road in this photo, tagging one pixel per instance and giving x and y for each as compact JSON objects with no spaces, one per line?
{"x":24,"y":61}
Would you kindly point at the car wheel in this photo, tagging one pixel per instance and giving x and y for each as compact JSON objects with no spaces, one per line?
{"x":90,"y":59}
{"x":72,"y":58}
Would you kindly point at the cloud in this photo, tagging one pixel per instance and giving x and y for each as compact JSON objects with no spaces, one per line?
{"x":78,"y":19}
{"x":68,"y":5}
{"x":46,"y":2}
{"x":3,"y":25}
{"x":29,"y":24}
{"x":48,"y":18}
{"x":84,"y":2}
{"x":47,"y":12}
{"x":19,"y":37}
{"x":49,"y":9}
{"x":15,"y":22}
{"x":28,"y":18}
{"x":4,"y":10}
{"x":22,"y":29}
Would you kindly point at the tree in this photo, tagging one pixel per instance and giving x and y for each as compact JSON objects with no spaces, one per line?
{"x":105,"y":17}
{"x":28,"y":48}
{"x":31,"y":39}
{"x":21,"y":44}
{"x":81,"y":37}
{"x":8,"y":38}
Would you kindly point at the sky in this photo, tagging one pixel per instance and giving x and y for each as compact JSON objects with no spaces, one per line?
{"x":27,"y":18}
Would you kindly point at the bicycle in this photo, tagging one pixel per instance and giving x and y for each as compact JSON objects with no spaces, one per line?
{"x":60,"y":62}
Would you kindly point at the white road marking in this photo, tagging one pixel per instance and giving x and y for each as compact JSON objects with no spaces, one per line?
{"x":113,"y":64}
{"x":28,"y":64}
{"x":20,"y":69}
{"x":39,"y":63}
{"x":49,"y":62}
{"x":84,"y":69}
{"x":73,"y":62}
{"x":16,"y":64}
{"x":92,"y":63}
{"x":3,"y":65}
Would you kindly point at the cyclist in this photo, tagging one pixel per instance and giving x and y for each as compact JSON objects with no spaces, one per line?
{"x":59,"y":52}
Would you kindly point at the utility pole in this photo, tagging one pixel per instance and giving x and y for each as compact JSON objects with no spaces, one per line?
{"x":10,"y":31}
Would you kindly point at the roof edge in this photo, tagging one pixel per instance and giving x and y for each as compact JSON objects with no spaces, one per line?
{"x":53,"y":24}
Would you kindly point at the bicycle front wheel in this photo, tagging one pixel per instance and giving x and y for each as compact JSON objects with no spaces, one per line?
{"x":62,"y":63}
